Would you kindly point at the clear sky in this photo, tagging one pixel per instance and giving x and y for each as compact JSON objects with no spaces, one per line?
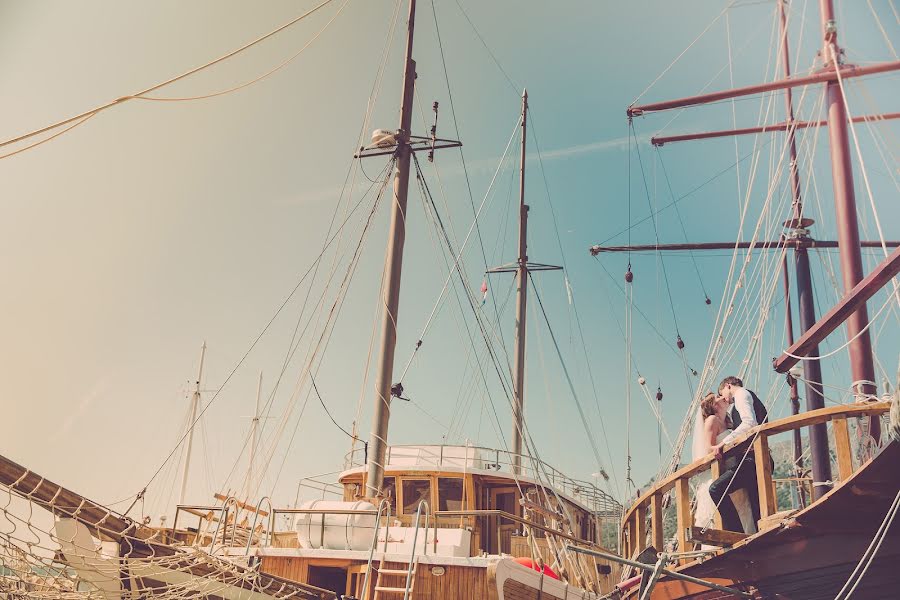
{"x":158,"y":225}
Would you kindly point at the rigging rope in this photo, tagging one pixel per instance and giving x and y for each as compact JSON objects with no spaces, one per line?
{"x":514,"y":87}
{"x":462,"y":157}
{"x":89,"y":113}
{"x":683,"y":52}
{"x":256,"y":79}
{"x":681,"y":222}
{"x":682,"y":197}
{"x":572,"y":300}
{"x":656,"y":234}
{"x":568,"y":377}
{"x":869,"y":555}
{"x":458,"y":257}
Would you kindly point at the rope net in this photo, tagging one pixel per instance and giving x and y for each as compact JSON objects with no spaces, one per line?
{"x":57,"y":544}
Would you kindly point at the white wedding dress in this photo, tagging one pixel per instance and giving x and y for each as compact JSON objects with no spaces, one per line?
{"x":705,"y":511}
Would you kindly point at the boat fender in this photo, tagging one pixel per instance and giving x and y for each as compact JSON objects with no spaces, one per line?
{"x":531,"y":564}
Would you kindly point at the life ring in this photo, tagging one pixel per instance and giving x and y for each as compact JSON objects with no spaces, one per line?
{"x":531,"y":564}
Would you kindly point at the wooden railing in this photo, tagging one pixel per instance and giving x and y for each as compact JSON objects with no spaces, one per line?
{"x":634,"y":524}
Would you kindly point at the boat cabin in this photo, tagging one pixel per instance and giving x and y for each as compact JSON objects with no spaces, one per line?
{"x":478,"y":490}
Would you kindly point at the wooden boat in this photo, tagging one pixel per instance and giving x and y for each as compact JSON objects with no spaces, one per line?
{"x":841,"y":542}
{"x":436,"y":522}
{"x":470,"y":545}
{"x":806,"y":553}
{"x":470,"y":549}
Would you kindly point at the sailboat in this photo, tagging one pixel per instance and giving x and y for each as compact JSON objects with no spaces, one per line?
{"x":433,"y":521}
{"x":834,"y":538}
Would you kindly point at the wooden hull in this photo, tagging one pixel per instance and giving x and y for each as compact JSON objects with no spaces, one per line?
{"x":484,"y":578}
{"x":813,"y":553}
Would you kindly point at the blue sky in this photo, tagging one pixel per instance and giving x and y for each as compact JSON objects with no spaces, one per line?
{"x":156,"y":226}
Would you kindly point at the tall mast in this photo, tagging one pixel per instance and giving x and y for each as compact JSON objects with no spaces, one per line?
{"x":195,"y":405}
{"x":393,"y":264}
{"x":254,"y":433}
{"x":521,"y":301}
{"x":799,"y":226}
{"x":861,"y":365}
{"x":523,"y":270}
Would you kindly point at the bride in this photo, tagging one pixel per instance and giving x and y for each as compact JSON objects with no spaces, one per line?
{"x":709,"y":429}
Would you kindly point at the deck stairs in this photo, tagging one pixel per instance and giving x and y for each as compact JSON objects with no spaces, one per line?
{"x":406,"y":587}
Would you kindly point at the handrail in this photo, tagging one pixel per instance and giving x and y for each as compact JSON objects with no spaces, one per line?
{"x":585,"y":490}
{"x":412,"y":558}
{"x":658,"y":568}
{"x":255,"y":517}
{"x":222,"y":518}
{"x":634,"y":524}
{"x":813,"y":417}
{"x":384,"y":503}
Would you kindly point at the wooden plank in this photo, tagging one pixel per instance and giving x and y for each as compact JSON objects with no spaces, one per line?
{"x":857,"y":297}
{"x":847,"y":71}
{"x":640,"y":535}
{"x":764,"y":477}
{"x":656,"y":521}
{"x":716,"y":537}
{"x":715,"y":470}
{"x":631,"y":537}
{"x":239,"y":504}
{"x":842,"y":446}
{"x":683,"y":512}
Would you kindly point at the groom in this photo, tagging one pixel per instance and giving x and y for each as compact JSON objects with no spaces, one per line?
{"x":746,"y":411}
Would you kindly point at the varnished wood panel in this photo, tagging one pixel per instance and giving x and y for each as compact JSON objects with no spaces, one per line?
{"x":842,"y":446}
{"x":656,"y":521}
{"x":683,"y":512}
{"x":640,"y":529}
{"x":764,"y":477}
{"x":456,"y":582}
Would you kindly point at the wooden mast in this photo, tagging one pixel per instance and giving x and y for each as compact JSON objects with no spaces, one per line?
{"x":861,"y":364}
{"x":195,"y":405}
{"x":799,"y":229}
{"x":523,"y":269}
{"x":521,"y":303}
{"x":393,"y":266}
{"x":254,"y":433}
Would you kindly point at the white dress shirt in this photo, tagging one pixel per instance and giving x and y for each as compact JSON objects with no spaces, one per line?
{"x":743,"y":404}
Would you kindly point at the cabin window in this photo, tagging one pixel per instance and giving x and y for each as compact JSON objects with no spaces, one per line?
{"x":450,"y":493}
{"x":389,"y":488}
{"x":414,"y":491}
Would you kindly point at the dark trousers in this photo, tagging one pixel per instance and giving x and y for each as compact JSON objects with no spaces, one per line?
{"x":744,"y":477}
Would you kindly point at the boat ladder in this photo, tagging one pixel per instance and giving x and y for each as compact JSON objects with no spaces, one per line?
{"x":410,"y":571}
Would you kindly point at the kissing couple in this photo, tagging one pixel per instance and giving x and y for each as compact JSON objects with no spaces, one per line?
{"x":721,"y":419}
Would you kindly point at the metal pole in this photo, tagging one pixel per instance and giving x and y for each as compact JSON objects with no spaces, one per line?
{"x":195,"y":404}
{"x":667,"y":572}
{"x":861,"y":365}
{"x":521,"y":302}
{"x":818,"y":435}
{"x":393,"y":264}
